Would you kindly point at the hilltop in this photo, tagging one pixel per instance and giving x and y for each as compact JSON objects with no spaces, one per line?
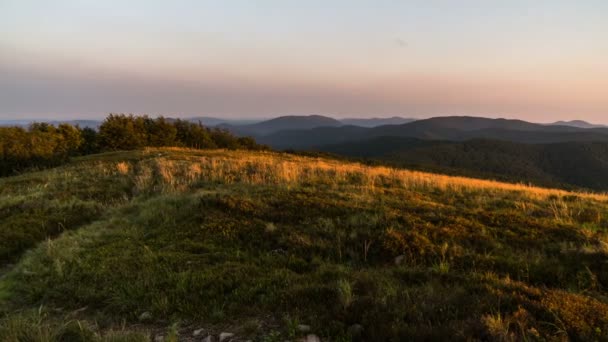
{"x":282,"y":123}
{"x":165,"y":241}
{"x":578,"y":123}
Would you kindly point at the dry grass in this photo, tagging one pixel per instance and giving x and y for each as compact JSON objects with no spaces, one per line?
{"x":260,"y":236}
{"x":180,"y":171}
{"x":123,"y":168}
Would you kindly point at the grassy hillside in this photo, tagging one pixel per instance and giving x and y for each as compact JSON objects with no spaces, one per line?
{"x":566,"y":165}
{"x":131,"y":245}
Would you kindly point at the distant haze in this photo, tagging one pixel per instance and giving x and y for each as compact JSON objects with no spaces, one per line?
{"x":540,"y":61}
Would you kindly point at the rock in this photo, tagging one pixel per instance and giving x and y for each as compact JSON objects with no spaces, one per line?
{"x":146,"y":316}
{"x":311,"y":338}
{"x":208,"y":339}
{"x":400,"y":259}
{"x":303,"y":328}
{"x":159,"y":338}
{"x":198,"y":332}
{"x":355,"y":331}
{"x":225,"y":335}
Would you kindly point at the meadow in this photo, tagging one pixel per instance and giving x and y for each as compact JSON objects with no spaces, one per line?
{"x":129,"y":246}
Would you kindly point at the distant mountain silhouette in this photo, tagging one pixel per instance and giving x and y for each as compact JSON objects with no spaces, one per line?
{"x":283,"y":123}
{"x":456,"y":128}
{"x":213,"y":121}
{"x":374,"y":122}
{"x":27,"y":122}
{"x":567,"y":164}
{"x":207,"y":121}
{"x":578,"y":123}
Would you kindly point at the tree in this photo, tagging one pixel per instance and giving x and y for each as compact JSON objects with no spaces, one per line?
{"x":193,"y":135}
{"x":224,"y":139}
{"x":70,"y":139}
{"x":122,"y":132}
{"x":89,"y":141}
{"x":44,"y":145}
{"x":160,"y":132}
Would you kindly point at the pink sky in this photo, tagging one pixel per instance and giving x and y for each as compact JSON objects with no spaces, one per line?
{"x":541,"y":62}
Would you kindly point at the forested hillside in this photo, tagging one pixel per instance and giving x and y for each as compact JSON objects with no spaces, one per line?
{"x":456,"y":128}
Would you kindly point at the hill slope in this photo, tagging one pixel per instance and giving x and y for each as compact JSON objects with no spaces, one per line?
{"x":569,"y":164}
{"x":256,"y":243}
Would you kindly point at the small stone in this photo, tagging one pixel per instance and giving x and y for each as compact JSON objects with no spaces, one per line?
{"x":208,"y":339}
{"x":400,"y":259}
{"x":146,"y":316}
{"x":303,"y":328}
{"x":225,"y":335}
{"x":159,"y":338}
{"x":198,"y":332}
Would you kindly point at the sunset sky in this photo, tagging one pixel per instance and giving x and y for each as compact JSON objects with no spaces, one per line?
{"x":535,"y":60}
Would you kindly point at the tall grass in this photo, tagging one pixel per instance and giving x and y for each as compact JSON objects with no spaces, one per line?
{"x":215,"y":236}
{"x":176,"y":172}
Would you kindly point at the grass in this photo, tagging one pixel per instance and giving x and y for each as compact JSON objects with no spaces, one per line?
{"x":36,"y":325}
{"x":251,"y":242}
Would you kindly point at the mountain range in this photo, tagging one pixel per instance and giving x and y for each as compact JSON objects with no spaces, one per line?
{"x":207,"y":121}
{"x":283,"y":123}
{"x":26,"y":122}
{"x":247,"y":126}
{"x":578,"y":123}
{"x":454,"y":128}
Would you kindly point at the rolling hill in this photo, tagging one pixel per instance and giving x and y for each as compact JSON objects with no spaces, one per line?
{"x":374,"y":122}
{"x":578,"y":123}
{"x":283,"y":123}
{"x":167,"y":244}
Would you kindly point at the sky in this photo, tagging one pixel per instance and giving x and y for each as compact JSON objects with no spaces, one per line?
{"x":535,"y":60}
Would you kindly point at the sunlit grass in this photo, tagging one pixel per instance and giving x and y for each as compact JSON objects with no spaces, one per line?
{"x":183,"y":167}
{"x":222,"y":238}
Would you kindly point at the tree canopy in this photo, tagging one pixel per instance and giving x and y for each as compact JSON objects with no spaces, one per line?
{"x":43,"y":145}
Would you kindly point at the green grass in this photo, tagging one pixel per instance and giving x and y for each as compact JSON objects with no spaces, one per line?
{"x":253,"y":242}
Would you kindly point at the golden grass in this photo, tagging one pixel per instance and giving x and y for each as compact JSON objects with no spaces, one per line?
{"x":123,"y":168}
{"x":181,"y":168}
